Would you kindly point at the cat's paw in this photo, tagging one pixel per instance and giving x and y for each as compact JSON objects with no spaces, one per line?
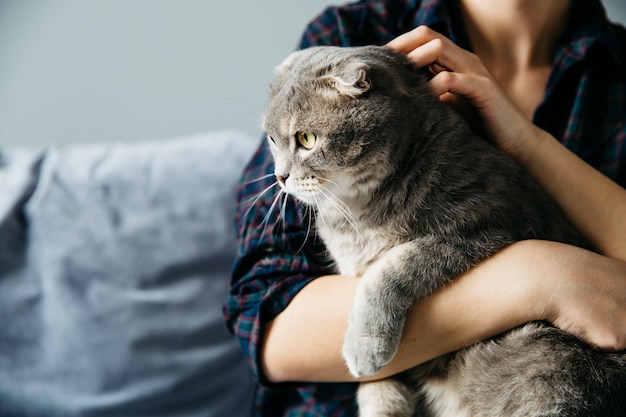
{"x":365,"y":355}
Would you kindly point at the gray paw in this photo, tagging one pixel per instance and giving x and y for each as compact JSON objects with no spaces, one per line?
{"x":366,"y":354}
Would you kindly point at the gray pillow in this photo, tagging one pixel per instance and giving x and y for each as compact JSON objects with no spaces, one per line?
{"x":114,"y":264}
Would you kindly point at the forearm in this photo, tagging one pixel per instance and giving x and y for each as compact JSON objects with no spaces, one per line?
{"x":595,"y":204}
{"x":304,"y":342}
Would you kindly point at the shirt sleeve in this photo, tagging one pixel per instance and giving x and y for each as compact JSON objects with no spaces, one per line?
{"x":278,"y":254}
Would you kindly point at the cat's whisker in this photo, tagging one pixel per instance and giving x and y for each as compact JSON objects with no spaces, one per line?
{"x":308,"y":212}
{"x":265,"y":222}
{"x":310,"y":215}
{"x":338,"y":200}
{"x":330,"y":181}
{"x":320,"y":215}
{"x":342,"y":208}
{"x":253,"y":200}
{"x":283,"y":215}
{"x":259,"y":194}
{"x":261,"y":178}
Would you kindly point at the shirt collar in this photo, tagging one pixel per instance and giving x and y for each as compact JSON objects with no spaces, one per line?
{"x":590,"y":29}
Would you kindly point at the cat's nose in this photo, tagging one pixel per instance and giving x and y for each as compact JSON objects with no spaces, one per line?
{"x":282,"y":178}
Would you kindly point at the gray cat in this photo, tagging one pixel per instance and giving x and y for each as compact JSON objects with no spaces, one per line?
{"x":408,"y":197}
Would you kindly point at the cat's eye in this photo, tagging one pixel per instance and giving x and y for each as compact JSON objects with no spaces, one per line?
{"x":306,"y":139}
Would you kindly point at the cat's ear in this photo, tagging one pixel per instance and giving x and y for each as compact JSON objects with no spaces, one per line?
{"x":281,"y":69}
{"x":287,"y":63}
{"x":353,"y":80}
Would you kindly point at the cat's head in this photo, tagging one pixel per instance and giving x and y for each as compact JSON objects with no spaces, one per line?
{"x":335,"y":118}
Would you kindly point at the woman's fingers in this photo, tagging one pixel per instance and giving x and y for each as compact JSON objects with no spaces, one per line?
{"x":432,"y":54}
{"x":499,"y":119}
{"x":405,"y":43}
{"x":460,"y":77}
{"x":478,"y":89}
{"x":413,"y":39}
{"x":427,"y":48}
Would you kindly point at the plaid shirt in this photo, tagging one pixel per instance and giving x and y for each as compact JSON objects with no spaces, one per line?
{"x":584,"y":107}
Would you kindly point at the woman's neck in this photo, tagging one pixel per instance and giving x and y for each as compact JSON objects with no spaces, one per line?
{"x":519,"y":33}
{"x":516,"y":41}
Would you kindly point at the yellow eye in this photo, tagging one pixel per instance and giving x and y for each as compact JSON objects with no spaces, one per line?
{"x":306,"y":139}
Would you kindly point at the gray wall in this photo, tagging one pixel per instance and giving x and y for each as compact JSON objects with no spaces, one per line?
{"x":110,"y":70}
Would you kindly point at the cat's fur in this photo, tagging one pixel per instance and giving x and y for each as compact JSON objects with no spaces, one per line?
{"x":408,"y":197}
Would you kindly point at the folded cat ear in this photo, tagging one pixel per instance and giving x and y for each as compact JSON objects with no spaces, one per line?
{"x":281,"y":69}
{"x":353,"y":80}
{"x":287,"y":63}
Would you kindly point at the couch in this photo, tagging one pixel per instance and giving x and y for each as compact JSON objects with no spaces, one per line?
{"x":114,"y":264}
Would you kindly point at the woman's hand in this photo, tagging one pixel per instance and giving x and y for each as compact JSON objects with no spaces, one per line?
{"x":460,"y":75}
{"x":584,"y":293}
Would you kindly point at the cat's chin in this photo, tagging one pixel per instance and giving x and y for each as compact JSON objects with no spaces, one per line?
{"x":309,"y":200}
{"x":308,"y":197}
{"x":318,"y":200}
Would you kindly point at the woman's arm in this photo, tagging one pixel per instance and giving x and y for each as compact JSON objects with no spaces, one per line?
{"x":595,"y":205}
{"x":577,"y":290}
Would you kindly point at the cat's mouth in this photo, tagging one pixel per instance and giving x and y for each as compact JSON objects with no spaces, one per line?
{"x":323,"y":194}
{"x":309,"y":190}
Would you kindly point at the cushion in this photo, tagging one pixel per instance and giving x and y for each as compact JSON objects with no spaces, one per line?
{"x":114,"y":264}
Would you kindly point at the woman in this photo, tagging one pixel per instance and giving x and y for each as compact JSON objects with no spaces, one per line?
{"x":538,"y":71}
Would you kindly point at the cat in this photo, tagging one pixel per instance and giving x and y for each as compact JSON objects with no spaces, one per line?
{"x":407,"y":196}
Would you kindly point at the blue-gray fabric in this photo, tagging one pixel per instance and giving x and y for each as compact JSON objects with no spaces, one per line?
{"x":114,"y":264}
